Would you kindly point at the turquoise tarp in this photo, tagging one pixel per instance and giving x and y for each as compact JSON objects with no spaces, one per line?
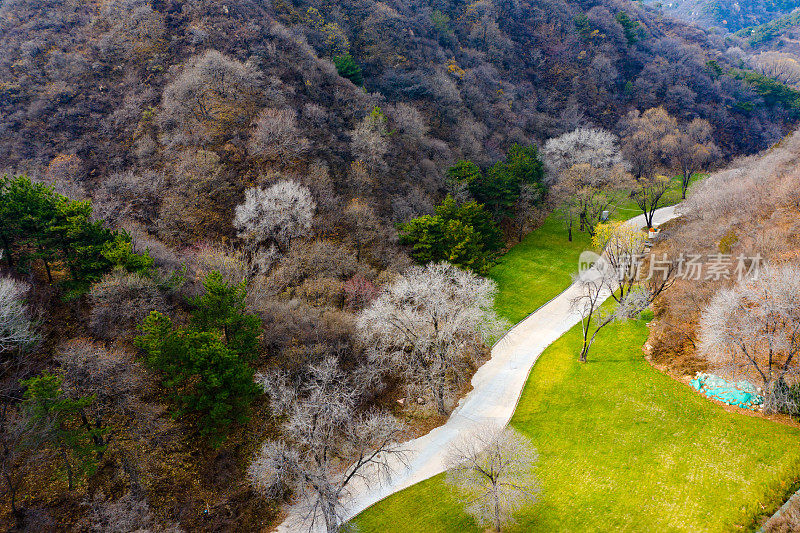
{"x":740,"y":393}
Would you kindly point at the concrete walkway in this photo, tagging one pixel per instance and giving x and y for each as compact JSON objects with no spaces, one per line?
{"x":497,"y":387}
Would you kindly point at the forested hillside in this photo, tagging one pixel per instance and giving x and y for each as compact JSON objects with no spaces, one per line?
{"x":729,"y":16}
{"x":204,"y":200}
{"x":94,"y":90}
{"x":778,"y":32}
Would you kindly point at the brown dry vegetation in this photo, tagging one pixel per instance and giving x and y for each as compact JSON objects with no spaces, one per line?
{"x":787,"y":521}
{"x":752,"y":207}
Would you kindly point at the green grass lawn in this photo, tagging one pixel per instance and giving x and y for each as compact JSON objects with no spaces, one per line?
{"x":541,"y":266}
{"x":622,"y":447}
{"x":537,"y":269}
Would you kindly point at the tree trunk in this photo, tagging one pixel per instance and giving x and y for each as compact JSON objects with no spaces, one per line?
{"x":69,"y":468}
{"x":12,"y":491}
{"x":585,"y":332}
{"x":331,"y":524}
{"x":440,"y":400}
{"x":101,"y":442}
{"x":13,"y":488}
{"x":496,"y":512}
{"x":19,"y":516}
{"x":685,"y":185}
{"x":8,"y":252}
{"x":585,"y":354}
{"x":47,"y":269}
{"x":569,"y":232}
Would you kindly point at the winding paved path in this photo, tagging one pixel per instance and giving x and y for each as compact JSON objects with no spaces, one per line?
{"x":497,"y":387}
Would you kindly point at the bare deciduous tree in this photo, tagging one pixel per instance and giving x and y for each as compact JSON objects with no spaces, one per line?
{"x":585,"y":192}
{"x":120,"y":301}
{"x":328,"y":442}
{"x":134,"y":31}
{"x":588,"y":304}
{"x":275,"y":215}
{"x":617,"y":273}
{"x":112,"y":376}
{"x":277,"y":135}
{"x":17,"y":328}
{"x":593,"y":292}
{"x":643,"y":134}
{"x":19,"y":448}
{"x":430,"y":324}
{"x":226,"y":260}
{"x":527,"y":212}
{"x":197,"y":187}
{"x":369,"y":143}
{"x":622,"y":246}
{"x":125,"y":195}
{"x":364,"y":227}
{"x":130,"y":512}
{"x":690,"y":148}
{"x":653,"y":141}
{"x":779,"y":65}
{"x":493,"y":466}
{"x":408,"y":120}
{"x":752,"y":330}
{"x":213,"y":96}
{"x":588,"y":172}
{"x":648,"y":195}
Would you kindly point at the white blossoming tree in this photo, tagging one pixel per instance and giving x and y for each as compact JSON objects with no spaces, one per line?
{"x":430,"y":325}
{"x":17,"y":331}
{"x":274,"y":216}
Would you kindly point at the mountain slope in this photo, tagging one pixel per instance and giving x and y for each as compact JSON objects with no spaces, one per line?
{"x":86,"y":88}
{"x":730,"y":16}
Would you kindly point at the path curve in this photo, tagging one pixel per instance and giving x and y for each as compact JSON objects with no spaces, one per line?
{"x":496,"y":389}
